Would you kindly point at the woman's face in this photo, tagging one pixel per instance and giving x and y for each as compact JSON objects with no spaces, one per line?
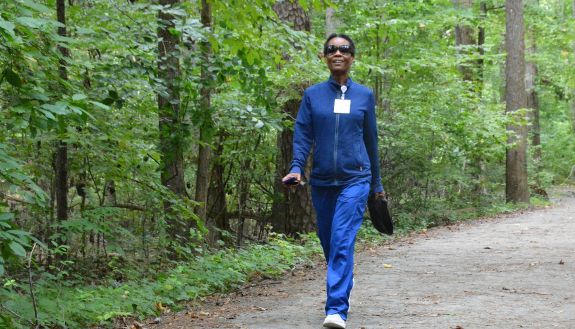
{"x":338,"y":62}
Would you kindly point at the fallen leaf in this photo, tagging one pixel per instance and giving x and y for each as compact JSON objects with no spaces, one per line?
{"x":161,"y":307}
{"x":387,"y":266}
{"x":137,"y":325}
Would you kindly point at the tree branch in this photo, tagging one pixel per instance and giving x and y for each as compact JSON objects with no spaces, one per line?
{"x":31,"y":284}
{"x":494,"y":8}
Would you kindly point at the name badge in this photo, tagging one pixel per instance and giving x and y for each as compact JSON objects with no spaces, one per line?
{"x":342,"y":106}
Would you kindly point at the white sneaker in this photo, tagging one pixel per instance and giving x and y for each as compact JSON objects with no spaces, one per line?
{"x":334,"y":321}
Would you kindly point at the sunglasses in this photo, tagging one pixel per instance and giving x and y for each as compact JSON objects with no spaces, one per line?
{"x":343,"y":49}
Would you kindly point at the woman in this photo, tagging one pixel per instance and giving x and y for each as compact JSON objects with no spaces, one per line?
{"x":337,"y":117}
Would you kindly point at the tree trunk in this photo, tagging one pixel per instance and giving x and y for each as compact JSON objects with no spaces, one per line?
{"x":331,"y":22}
{"x":244,"y":193}
{"x":170,"y":118}
{"x":480,"y":45}
{"x":378,"y":83}
{"x":533,"y":102}
{"x":465,"y":41}
{"x":292,"y":210}
{"x":217,"y":205}
{"x":61,"y":154}
{"x":516,"y":189}
{"x":387,"y":85}
{"x":470,"y":70}
{"x":206,"y":123}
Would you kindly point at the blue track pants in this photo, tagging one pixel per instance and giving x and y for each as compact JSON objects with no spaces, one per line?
{"x":339,"y":211}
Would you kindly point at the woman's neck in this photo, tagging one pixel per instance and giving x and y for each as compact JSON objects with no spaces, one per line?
{"x":341,"y":79}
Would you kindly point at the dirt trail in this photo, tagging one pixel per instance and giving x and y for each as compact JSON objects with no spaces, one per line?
{"x":516,"y":271}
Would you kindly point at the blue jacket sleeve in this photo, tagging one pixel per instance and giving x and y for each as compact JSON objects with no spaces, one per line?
{"x":370,"y":140}
{"x":303,"y":136}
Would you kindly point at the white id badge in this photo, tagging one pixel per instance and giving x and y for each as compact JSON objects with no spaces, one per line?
{"x":342,"y":106}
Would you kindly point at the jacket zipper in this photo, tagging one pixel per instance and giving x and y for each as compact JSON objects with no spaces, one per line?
{"x":336,"y":141}
{"x":335,"y":147}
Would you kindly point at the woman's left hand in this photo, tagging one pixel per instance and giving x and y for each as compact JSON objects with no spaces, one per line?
{"x":380,"y":195}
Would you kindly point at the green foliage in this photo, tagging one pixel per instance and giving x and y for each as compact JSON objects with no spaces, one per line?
{"x":77,"y":307}
{"x":13,"y":240}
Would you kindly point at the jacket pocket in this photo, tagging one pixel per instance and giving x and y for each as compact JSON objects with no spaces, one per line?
{"x":351,"y":158}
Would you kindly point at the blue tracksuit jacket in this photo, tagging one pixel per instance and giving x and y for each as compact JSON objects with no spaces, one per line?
{"x":345,"y":145}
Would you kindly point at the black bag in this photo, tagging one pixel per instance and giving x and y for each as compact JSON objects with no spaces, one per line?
{"x":379,"y":214}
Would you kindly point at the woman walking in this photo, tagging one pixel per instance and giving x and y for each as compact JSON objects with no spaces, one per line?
{"x":337,"y":117}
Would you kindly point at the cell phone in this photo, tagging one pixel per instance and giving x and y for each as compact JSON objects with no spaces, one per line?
{"x":291,"y":181}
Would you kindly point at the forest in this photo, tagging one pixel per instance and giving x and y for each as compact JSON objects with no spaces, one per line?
{"x":142,"y":142}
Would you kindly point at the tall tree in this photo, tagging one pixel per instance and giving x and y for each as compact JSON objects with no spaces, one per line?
{"x":206,"y":122}
{"x":331,"y":22}
{"x":481,"y":43}
{"x":292,"y":210}
{"x":170,"y":117}
{"x":465,"y":40}
{"x":471,"y":72}
{"x":533,"y":99}
{"x":217,"y":213}
{"x":61,"y":154}
{"x":516,"y":189}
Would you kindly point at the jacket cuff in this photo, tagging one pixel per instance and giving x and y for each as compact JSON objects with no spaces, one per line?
{"x":376,"y":187}
{"x":295,"y":170}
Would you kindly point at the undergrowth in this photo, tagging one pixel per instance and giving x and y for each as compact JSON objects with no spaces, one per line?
{"x":66,"y":306}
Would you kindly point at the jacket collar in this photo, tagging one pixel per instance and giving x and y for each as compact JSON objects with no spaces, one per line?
{"x":337,"y":86}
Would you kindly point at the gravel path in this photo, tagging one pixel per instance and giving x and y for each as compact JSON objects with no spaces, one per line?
{"x":516,"y":271}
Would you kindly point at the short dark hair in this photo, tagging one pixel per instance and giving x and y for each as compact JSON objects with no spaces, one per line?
{"x":339,"y":35}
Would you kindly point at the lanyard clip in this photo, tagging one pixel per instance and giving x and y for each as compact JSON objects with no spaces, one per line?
{"x":343,"y":90}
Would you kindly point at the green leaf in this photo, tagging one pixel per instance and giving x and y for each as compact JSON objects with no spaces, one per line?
{"x":1,"y":267}
{"x":37,"y":22}
{"x":79,"y":97}
{"x":36,"y":6}
{"x":85,"y":31}
{"x":47,"y":114}
{"x":58,"y":108}
{"x":8,"y":27}
{"x":31,"y":21}
{"x":6,"y":216}
{"x":76,"y":109}
{"x":100,"y":105}
{"x":7,"y":164}
{"x":17,"y":249}
{"x":40,"y":97}
{"x":13,"y":78}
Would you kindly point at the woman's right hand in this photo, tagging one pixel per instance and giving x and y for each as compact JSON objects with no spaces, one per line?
{"x":291,"y":180}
